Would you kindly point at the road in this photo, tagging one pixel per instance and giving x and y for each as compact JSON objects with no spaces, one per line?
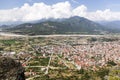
{"x":57,"y":35}
{"x":10,"y":35}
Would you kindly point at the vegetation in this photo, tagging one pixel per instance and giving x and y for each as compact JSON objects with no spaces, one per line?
{"x":73,"y":25}
{"x":57,"y":70}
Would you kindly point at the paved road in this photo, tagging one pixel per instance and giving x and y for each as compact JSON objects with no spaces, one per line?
{"x":58,"y":35}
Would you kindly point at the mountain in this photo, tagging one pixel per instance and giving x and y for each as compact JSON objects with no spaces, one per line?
{"x":5,"y":26}
{"x":113,"y":25}
{"x":60,"y":26}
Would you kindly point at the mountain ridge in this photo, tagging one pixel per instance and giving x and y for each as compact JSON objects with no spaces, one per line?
{"x":72,"y":25}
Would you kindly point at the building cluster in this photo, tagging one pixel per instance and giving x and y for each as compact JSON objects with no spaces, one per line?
{"x":86,"y":55}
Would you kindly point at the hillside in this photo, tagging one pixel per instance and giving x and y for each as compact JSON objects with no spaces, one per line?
{"x":64,"y":26}
{"x":10,"y":69}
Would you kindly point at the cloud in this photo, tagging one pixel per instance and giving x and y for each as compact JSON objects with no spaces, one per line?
{"x":105,"y":15}
{"x":99,"y":15}
{"x":61,"y":10}
{"x":36,"y":11}
{"x":80,"y":11}
{"x":41,"y":10}
{"x":74,"y":1}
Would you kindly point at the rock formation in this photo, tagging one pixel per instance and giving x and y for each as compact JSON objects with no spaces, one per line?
{"x":11,"y":69}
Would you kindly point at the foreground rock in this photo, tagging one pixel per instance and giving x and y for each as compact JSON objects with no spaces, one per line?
{"x":10,"y":69}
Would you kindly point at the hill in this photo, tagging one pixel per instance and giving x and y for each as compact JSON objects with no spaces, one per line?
{"x":10,"y":69}
{"x":73,"y":25}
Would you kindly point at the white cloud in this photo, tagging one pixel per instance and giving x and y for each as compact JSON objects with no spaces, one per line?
{"x":75,"y":1}
{"x":105,"y":15}
{"x":80,"y":11}
{"x":36,"y":11}
{"x":59,"y":10}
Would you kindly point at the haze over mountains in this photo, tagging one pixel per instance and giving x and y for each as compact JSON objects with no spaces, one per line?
{"x":113,"y":25}
{"x":72,"y":25}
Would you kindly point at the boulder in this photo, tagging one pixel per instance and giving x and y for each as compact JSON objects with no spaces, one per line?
{"x":10,"y":69}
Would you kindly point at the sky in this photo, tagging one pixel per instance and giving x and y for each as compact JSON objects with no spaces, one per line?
{"x":30,"y":10}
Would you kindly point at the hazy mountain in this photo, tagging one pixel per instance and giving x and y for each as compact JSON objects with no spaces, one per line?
{"x":60,"y":26}
{"x":114,"y":26}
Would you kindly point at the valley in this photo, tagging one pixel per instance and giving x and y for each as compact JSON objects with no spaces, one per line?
{"x":64,"y":56}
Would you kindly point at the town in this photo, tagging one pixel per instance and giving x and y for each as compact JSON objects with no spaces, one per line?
{"x":64,"y":57}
